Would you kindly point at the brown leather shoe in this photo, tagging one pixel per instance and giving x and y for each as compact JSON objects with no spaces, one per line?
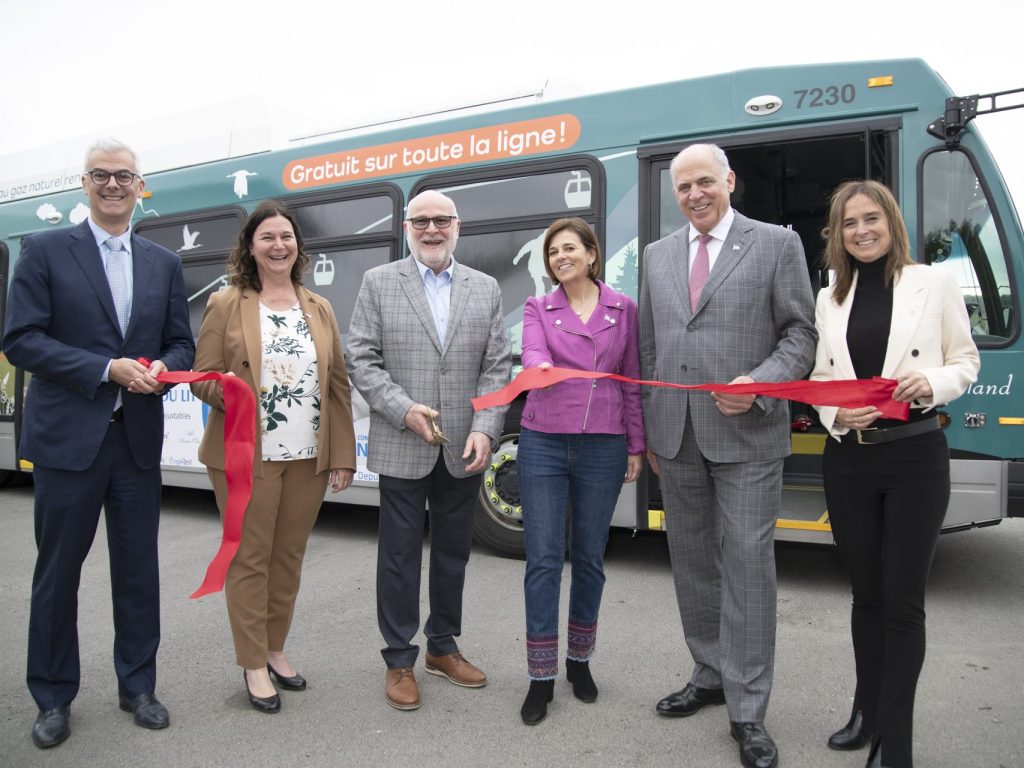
{"x":456,"y":668}
{"x":400,"y":688}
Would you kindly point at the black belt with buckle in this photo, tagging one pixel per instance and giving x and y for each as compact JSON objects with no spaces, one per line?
{"x":877,"y":436}
{"x":117,"y":415}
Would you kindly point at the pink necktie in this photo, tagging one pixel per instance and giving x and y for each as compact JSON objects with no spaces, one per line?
{"x":699,"y":272}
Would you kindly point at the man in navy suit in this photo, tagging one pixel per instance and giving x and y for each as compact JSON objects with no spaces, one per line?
{"x":85,"y":303}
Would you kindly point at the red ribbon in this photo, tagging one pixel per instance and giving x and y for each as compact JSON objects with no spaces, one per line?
{"x":239,"y":448}
{"x":846,"y":393}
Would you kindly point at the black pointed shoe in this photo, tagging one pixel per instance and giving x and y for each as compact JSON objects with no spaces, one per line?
{"x":689,"y":701}
{"x":294,"y":683}
{"x":875,"y":756}
{"x":52,"y":727}
{"x":583,"y":686}
{"x":268,"y":704}
{"x":535,"y":707}
{"x":851,"y":736}
{"x":757,"y":748}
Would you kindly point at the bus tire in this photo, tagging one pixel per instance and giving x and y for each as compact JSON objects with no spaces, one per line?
{"x":12,"y":478}
{"x":498,"y":517}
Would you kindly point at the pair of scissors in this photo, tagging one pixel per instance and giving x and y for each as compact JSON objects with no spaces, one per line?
{"x":439,"y":436}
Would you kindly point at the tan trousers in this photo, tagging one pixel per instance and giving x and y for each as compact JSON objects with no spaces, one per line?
{"x":263,"y":579}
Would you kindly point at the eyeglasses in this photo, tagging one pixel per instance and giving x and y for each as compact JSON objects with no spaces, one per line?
{"x":101,"y":177}
{"x":441,"y":222}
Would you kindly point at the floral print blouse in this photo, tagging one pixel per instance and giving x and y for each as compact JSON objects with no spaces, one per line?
{"x":289,"y":386}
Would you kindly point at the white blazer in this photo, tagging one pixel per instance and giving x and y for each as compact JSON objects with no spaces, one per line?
{"x":929,"y":332}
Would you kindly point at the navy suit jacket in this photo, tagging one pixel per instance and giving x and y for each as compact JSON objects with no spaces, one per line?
{"x":62,"y":327}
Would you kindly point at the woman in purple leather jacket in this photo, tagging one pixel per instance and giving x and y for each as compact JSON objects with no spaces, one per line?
{"x":579,"y":441}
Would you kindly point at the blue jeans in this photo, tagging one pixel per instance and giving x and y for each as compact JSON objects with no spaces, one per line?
{"x":588,"y":471}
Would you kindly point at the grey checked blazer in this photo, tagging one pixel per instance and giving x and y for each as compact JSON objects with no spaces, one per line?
{"x":395,"y":360}
{"x":755,"y":317}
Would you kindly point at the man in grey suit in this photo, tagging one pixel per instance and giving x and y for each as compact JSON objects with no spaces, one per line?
{"x":427,"y":335}
{"x":724,"y":299}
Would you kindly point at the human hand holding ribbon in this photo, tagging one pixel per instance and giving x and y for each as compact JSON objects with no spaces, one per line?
{"x":846,"y":393}
{"x":239,"y":448}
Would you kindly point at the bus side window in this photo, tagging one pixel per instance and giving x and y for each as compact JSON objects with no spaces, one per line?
{"x":504,"y":214}
{"x":961,"y":235}
{"x":7,"y":373}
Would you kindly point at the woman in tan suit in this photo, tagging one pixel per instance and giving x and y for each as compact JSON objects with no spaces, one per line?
{"x":283,"y":341}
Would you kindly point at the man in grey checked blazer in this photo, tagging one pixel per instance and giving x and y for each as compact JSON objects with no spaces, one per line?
{"x":720,"y":457}
{"x":427,"y":335}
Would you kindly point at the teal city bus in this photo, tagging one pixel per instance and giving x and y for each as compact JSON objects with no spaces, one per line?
{"x":792,"y":135}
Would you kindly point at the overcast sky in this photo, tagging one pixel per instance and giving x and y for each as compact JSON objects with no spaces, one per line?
{"x":81,"y":69}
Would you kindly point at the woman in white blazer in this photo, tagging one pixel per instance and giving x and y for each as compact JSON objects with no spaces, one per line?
{"x":887,"y":482}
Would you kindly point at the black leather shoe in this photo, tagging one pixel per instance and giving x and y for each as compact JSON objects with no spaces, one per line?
{"x":851,"y":736}
{"x":51,"y":727}
{"x":583,"y":686}
{"x":689,"y":701}
{"x":293,"y":683}
{"x":757,"y":750}
{"x":268,"y":704}
{"x":149,"y":712}
{"x":535,"y":707}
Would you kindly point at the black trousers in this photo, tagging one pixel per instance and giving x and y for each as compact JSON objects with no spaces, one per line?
{"x":67,"y":512}
{"x":400,"y":554}
{"x":886,"y":504}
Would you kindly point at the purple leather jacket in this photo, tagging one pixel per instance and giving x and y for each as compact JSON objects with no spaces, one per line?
{"x":609,"y":342}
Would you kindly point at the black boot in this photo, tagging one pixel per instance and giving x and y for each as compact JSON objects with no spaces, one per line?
{"x":583,"y":686}
{"x":853,"y":735}
{"x":535,"y":707}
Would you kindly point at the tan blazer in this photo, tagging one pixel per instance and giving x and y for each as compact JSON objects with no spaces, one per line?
{"x":929,"y":332}
{"x":229,"y":340}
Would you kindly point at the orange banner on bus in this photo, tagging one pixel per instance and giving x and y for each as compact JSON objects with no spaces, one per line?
{"x":492,"y":142}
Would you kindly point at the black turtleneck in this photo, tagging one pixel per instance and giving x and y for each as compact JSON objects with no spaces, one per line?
{"x":867,"y":334}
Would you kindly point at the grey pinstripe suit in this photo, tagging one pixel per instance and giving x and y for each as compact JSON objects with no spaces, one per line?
{"x":396,"y":360}
{"x":721,"y":476}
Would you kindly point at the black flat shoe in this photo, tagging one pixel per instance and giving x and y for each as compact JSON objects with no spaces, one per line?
{"x":689,"y":701}
{"x":52,"y":727}
{"x":851,"y":736}
{"x":535,"y":707}
{"x":147,"y":709}
{"x":268,"y":704}
{"x":583,"y":686}
{"x":757,"y":749}
{"x":293,"y":683}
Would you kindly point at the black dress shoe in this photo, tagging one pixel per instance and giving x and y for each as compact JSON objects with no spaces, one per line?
{"x":689,"y":701}
{"x":757,"y":749}
{"x":268,"y":704}
{"x":851,"y":736}
{"x":51,"y":727}
{"x":293,"y":683}
{"x":583,"y":686}
{"x":535,"y":707}
{"x":149,"y":712}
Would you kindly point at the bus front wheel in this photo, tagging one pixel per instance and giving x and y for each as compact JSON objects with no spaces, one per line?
{"x":498,"y":518}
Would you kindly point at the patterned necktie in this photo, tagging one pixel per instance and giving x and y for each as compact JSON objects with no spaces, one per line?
{"x":118,"y":283}
{"x":699,"y":272}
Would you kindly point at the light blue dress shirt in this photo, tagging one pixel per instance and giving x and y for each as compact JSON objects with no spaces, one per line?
{"x":101,"y":243}
{"x":438,"y":290}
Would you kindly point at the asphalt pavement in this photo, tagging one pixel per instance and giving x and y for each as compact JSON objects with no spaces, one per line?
{"x":970,"y":698}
